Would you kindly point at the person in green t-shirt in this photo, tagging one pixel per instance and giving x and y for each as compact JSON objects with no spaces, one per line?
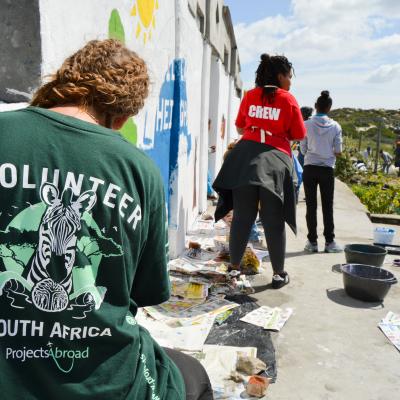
{"x":83,"y":242}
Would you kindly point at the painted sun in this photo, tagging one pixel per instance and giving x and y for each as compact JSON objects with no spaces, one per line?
{"x":145,"y":11}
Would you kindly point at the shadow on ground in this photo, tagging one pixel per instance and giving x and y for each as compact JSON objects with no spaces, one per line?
{"x":261,"y":288}
{"x":339,"y":296}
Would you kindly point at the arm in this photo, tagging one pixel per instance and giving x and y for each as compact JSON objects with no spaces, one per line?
{"x":338,"y":142}
{"x":297,"y":129}
{"x":303,"y":146}
{"x":241,"y":117}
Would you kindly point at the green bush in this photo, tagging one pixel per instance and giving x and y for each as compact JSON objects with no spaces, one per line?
{"x":378,"y":198}
{"x":344,"y":167}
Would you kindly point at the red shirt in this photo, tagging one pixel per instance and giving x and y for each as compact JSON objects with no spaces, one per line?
{"x":273,"y":123}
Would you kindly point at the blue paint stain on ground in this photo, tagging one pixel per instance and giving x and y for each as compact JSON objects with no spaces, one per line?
{"x":171,"y":124}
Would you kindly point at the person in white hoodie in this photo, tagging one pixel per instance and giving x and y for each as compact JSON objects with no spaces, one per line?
{"x":320,"y":148}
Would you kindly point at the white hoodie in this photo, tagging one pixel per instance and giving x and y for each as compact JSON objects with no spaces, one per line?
{"x":323,"y":140}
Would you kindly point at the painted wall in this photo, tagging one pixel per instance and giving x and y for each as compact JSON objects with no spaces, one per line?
{"x":185,"y":155}
{"x":213,"y":113}
{"x":220,"y":113}
{"x":173,"y":126}
{"x":234,"y":103}
{"x":146,"y":26}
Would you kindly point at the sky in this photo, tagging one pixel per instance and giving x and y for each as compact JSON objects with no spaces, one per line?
{"x":349,"y":47}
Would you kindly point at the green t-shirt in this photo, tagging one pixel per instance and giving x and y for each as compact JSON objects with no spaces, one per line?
{"x":82,"y":246}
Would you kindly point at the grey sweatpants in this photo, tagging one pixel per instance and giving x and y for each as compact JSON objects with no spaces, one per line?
{"x":246,"y":201}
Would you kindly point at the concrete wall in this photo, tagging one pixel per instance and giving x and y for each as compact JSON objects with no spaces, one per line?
{"x":197,"y":5}
{"x":20,"y":49}
{"x":189,"y":85}
{"x":184,"y":178}
{"x":234,"y":104}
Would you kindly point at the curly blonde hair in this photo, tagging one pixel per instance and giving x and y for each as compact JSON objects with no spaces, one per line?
{"x":104,"y":74}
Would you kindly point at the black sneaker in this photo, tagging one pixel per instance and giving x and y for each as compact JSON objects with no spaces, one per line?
{"x":280,"y":280}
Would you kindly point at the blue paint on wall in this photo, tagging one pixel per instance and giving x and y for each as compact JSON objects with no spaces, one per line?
{"x":162,"y":128}
{"x":171,"y":125}
{"x":179,"y":116}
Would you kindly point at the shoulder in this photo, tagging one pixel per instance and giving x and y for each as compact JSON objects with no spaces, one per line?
{"x":141,"y":171}
{"x":136,"y":157}
{"x":288,"y":97}
{"x":254,"y":93}
{"x":13,"y":123}
{"x":336,"y":125}
{"x":12,"y":116}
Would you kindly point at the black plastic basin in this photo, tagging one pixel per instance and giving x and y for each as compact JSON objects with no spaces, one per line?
{"x":367,"y":282}
{"x":365,"y":254}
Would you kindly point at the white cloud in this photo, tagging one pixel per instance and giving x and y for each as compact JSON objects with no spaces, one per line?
{"x":385,"y":73}
{"x":329,"y":42}
{"x":256,"y":36}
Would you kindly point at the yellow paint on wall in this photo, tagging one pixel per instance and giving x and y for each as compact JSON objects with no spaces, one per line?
{"x":145,"y":11}
{"x":138,"y":30}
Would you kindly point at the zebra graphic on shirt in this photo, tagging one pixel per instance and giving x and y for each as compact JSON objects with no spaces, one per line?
{"x":57,"y":238}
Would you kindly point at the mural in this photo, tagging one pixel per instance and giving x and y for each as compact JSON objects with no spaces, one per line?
{"x":115,"y":27}
{"x":181,"y":138}
{"x":158,"y":147}
{"x":179,"y":119}
{"x":145,"y":11}
{"x":171,"y":141}
{"x":116,"y":31}
{"x":171,"y":133}
{"x":129,"y":131}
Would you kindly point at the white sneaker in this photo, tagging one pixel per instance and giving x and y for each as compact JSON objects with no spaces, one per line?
{"x":280,"y":280}
{"x":333,"y":247}
{"x":311,"y":247}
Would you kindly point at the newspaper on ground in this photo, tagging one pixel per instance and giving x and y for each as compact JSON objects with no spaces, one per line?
{"x":198,"y":255}
{"x":242,"y":285}
{"x":184,"y":266}
{"x":220,"y":361}
{"x":221,"y":227}
{"x":189,"y":287}
{"x":202,"y":227}
{"x":170,"y":311}
{"x":206,"y":242}
{"x":210,"y":269}
{"x":188,"y":338}
{"x":213,"y":306}
{"x":390,"y":326}
{"x":184,"y":312}
{"x":268,"y":318}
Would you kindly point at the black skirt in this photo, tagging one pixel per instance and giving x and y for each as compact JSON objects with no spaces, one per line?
{"x":252,"y":163}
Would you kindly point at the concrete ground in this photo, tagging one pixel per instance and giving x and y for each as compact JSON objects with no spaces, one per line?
{"x":331,"y":347}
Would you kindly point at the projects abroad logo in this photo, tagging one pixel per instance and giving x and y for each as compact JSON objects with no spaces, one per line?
{"x":64,"y":359}
{"x":149,"y":379}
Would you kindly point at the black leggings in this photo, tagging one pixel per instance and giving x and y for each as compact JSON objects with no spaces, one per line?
{"x":313,"y":176}
{"x":197,"y":382}
{"x":246,"y":201}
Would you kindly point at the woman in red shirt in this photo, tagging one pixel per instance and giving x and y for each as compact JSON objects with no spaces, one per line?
{"x":257,"y":174}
